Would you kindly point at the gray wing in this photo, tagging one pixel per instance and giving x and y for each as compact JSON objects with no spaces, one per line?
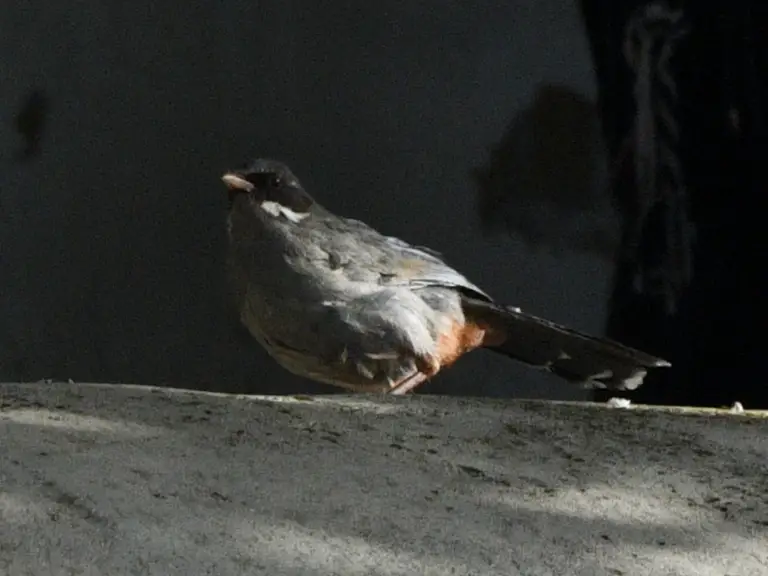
{"x":368,"y":255}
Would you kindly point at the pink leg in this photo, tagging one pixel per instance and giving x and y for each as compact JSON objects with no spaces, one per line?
{"x":408,"y":383}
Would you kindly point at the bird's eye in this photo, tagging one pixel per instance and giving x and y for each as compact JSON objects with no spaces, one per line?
{"x":275,"y":181}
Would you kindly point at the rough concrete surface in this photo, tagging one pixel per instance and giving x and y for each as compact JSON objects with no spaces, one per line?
{"x":99,"y":479}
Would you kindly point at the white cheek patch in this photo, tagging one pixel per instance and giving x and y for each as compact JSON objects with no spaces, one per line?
{"x":275,"y":209}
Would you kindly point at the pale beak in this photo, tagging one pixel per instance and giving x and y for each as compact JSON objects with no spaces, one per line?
{"x":237,"y":183}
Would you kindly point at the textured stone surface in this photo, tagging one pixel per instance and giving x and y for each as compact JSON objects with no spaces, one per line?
{"x":98,"y":479}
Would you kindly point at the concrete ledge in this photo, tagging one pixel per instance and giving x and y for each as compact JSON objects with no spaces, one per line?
{"x":98,"y":479}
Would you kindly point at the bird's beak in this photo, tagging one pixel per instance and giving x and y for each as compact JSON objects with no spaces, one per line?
{"x":236,"y":183}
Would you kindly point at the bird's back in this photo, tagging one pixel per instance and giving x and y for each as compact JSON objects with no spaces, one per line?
{"x":361,"y":253}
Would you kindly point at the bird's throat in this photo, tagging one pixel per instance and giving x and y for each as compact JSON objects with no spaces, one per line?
{"x":277,"y":210}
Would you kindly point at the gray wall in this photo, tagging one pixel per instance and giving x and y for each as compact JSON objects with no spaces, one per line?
{"x":112,"y":239}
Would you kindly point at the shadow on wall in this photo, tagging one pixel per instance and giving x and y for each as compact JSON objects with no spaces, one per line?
{"x":30,"y":121}
{"x":545,"y":178}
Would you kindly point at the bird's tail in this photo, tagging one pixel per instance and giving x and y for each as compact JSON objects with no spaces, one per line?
{"x":588,"y":360}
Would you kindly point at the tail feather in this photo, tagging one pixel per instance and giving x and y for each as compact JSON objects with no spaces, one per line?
{"x":588,"y":360}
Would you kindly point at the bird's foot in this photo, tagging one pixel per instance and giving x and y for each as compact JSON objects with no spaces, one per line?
{"x":408,"y":384}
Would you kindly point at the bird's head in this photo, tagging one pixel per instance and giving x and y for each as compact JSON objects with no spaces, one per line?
{"x":269,"y":186}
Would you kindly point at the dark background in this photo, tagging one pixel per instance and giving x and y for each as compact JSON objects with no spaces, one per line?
{"x":118,"y":120}
{"x":716,"y":336}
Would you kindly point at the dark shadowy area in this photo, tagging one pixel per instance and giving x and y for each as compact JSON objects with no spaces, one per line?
{"x":30,"y":123}
{"x":714,"y":337}
{"x":544,"y":178}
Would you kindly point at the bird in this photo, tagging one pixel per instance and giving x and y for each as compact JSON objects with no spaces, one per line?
{"x":334,"y":300}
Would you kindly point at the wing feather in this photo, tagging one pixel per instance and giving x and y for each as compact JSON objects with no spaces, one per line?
{"x":366,"y":253}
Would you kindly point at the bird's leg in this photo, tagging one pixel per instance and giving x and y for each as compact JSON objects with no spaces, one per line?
{"x":407,"y":384}
{"x":426,"y":367}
